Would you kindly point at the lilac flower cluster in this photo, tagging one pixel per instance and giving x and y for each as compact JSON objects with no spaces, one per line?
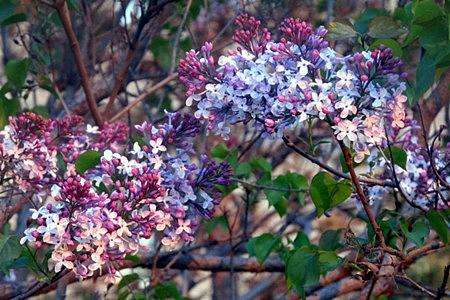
{"x":30,"y":144}
{"x":93,"y":220}
{"x":278,"y":85}
{"x":423,"y":180}
{"x":295,"y":79}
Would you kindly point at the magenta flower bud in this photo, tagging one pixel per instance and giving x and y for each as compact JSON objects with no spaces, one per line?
{"x":364,"y":78}
{"x":269,"y":122}
{"x":308,"y":95}
{"x":38,"y":244}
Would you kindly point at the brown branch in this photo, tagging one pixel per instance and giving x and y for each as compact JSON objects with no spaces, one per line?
{"x":64,"y":14}
{"x":365,"y":202}
{"x":419,"y":252}
{"x":441,"y":290}
{"x":408,"y":282}
{"x":183,"y":262}
{"x":370,"y":181}
{"x":143,"y":96}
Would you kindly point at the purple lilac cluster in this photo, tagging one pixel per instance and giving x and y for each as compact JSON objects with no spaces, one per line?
{"x":93,"y":220}
{"x":279,"y":85}
{"x":295,"y":79}
{"x":418,"y":180}
{"x":30,"y":144}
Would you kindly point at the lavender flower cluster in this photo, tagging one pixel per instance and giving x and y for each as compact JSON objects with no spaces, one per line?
{"x":278,"y":85}
{"x":91,"y":221}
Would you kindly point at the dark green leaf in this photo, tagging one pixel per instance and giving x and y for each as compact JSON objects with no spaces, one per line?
{"x":426,"y":10}
{"x":42,"y":110}
{"x":10,"y":249}
{"x":392,"y":44}
{"x":167,"y":290}
{"x":340,"y":31}
{"x":262,"y":245}
{"x":243,"y":169}
{"x":418,"y":233}
{"x":133,"y":258}
{"x":362,"y":22}
{"x":16,"y":18}
{"x":301,"y":240}
{"x":7,"y":8}
{"x":8,"y":108}
{"x":328,"y":260}
{"x":302,"y":268}
{"x":384,"y":27}
{"x":213,"y":223}
{"x":439,"y":224}
{"x":87,"y":160}
{"x":127,"y":279}
{"x":329,"y":241}
{"x":399,"y":156}
{"x":16,"y":71}
{"x":326,"y":192}
{"x":160,"y":48}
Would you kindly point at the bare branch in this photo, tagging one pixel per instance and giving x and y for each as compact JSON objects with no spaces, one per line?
{"x":64,"y":14}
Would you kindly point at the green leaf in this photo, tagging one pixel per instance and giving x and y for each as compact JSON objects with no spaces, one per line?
{"x":243,"y":169}
{"x":16,"y":71}
{"x":160,"y":48}
{"x":362,"y":22}
{"x":16,"y":18}
{"x":384,"y":27}
{"x":7,"y":8}
{"x":418,"y":233}
{"x":41,"y":110}
{"x":87,"y":160}
{"x":260,"y":163}
{"x":439,"y":224}
{"x":329,"y":241}
{"x":262,"y":245}
{"x":213,"y":223}
{"x":167,"y":290}
{"x":328,"y":260}
{"x":392,"y":44}
{"x":220,"y":151}
{"x":302,"y":268}
{"x":326,"y":192}
{"x":8,"y":108}
{"x":340,"y":31}
{"x":127,"y":279}
{"x":426,"y":10}
{"x":277,"y":200}
{"x":133,"y":258}
{"x":301,"y":240}
{"x":10,"y":249}
{"x":399,"y":156}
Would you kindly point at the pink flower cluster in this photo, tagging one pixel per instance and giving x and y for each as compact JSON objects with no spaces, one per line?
{"x":30,"y":145}
{"x":93,"y":220}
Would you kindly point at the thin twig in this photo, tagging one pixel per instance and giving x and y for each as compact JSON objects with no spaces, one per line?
{"x":143,"y":96}
{"x":64,"y":14}
{"x":178,"y":36}
{"x":442,"y":288}
{"x":370,"y":181}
